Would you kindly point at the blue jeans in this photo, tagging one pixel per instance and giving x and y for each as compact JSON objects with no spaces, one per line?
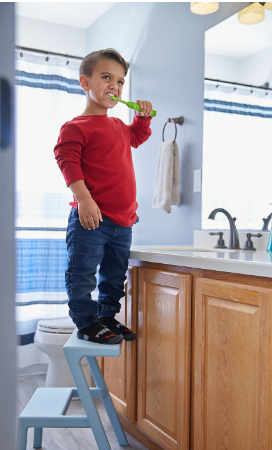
{"x":107,"y":246}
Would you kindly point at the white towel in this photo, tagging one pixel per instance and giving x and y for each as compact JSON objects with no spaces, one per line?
{"x":167,"y":178}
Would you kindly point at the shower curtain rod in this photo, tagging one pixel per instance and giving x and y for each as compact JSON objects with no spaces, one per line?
{"x":34,"y":50}
{"x":239,"y":84}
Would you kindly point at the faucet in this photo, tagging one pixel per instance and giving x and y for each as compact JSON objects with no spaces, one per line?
{"x":233,"y":238}
{"x":266,"y":222}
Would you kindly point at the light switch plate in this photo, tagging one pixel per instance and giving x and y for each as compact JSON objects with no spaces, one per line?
{"x":197,"y":180}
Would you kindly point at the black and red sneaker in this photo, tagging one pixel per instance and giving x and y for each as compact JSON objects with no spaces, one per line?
{"x":99,"y":334}
{"x":118,"y":328}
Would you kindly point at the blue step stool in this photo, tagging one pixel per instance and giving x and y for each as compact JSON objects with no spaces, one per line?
{"x":48,"y":406}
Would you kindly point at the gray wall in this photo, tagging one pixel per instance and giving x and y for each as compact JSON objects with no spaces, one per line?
{"x":8,"y":389}
{"x":164,"y":42}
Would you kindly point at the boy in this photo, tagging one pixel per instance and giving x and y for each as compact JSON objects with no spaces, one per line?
{"x":94,"y":154}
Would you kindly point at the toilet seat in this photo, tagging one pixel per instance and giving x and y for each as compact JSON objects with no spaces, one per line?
{"x":62,"y":325}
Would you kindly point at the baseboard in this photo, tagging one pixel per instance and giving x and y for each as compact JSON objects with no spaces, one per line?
{"x":34,"y":369}
{"x":132,"y":429}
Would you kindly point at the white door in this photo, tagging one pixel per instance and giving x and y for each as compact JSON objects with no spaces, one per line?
{"x":7,"y":265}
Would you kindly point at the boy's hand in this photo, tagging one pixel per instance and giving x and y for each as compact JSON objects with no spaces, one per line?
{"x":89,"y":214}
{"x":146,"y":109}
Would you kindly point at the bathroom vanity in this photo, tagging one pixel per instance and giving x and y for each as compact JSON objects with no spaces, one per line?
{"x":199,"y":375}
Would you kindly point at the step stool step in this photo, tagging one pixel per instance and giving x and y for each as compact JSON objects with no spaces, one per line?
{"x":49,"y":402}
{"x":54,"y":402}
{"x":87,"y":348}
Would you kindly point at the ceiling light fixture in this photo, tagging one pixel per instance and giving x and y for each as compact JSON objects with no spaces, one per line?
{"x":204,"y":7}
{"x":252,"y":14}
{"x":268,"y":5}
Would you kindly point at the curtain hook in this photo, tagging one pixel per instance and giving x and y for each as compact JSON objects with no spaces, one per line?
{"x":47,"y":58}
{"x":21,"y":53}
{"x":67,"y":62}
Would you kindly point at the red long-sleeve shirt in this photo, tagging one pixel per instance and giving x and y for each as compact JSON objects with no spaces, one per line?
{"x":97,"y":149}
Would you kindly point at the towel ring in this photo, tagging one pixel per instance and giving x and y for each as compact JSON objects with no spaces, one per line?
{"x":178,"y":120}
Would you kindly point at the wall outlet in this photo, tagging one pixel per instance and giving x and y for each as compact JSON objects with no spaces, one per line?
{"x":197,"y":180}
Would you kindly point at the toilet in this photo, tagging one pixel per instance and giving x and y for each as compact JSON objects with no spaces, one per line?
{"x":50,"y":337}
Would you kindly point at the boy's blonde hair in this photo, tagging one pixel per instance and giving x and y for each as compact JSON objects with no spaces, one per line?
{"x":89,"y":62}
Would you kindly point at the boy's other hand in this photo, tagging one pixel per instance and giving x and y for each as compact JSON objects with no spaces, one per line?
{"x":146,"y":109}
{"x":89,"y":214}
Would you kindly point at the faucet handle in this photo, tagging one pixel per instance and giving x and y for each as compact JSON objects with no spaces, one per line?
{"x":248,"y":245}
{"x":220,"y":242}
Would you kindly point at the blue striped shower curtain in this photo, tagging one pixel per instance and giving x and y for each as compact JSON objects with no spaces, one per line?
{"x":237,"y":155}
{"x":47,"y":94}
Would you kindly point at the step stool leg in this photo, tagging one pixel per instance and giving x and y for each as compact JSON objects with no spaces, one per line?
{"x":107,"y":401}
{"x":37,"y":442}
{"x":21,"y":436}
{"x":88,"y":403}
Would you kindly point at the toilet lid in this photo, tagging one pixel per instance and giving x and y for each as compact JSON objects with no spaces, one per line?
{"x":62,"y":325}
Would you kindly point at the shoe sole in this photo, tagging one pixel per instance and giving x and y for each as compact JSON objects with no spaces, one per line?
{"x":113,"y":340}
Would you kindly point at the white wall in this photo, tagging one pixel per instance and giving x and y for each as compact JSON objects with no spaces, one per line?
{"x":254,"y":70}
{"x":221,"y":67}
{"x":50,"y":36}
{"x":257,"y":69}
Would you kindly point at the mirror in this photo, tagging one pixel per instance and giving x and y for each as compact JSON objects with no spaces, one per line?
{"x":237,"y":144}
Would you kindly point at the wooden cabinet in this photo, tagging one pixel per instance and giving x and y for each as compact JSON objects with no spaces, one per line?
{"x":199,"y":375}
{"x":231,"y":367}
{"x":164,"y":327}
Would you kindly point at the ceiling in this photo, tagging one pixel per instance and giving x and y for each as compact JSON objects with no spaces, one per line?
{"x":233,"y":39}
{"x":73,"y":14}
{"x":229,"y":38}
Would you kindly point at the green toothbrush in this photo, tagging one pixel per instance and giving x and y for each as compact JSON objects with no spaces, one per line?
{"x":132,"y":105}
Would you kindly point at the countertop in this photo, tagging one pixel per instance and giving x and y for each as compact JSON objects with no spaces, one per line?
{"x":258,"y":263}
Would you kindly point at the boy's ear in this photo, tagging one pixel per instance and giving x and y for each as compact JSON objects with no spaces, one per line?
{"x":84,"y":82}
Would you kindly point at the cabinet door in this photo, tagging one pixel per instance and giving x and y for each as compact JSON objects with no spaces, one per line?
{"x":231,"y":367}
{"x":164,"y":320}
{"x":120,"y":373}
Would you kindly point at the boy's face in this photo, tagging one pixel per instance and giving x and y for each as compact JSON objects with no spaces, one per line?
{"x":107,"y":79}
